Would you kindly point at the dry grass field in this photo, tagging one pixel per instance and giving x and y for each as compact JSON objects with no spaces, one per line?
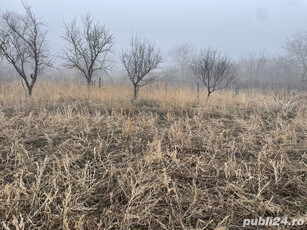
{"x":70,"y":160}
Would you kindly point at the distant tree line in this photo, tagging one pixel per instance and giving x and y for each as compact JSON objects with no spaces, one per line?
{"x":89,"y":49}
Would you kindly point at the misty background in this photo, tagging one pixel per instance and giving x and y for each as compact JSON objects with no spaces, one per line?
{"x":244,"y":30}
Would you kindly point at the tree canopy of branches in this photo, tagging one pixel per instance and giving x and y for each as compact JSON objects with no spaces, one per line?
{"x":213,"y":69}
{"x":254,"y":69}
{"x":265,"y":71}
{"x":182,"y":56}
{"x":88,"y":48}
{"x":140,"y":61}
{"x":296,"y":47}
{"x":23,"y":44}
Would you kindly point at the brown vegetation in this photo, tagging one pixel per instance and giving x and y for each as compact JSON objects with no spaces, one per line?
{"x":70,"y":160}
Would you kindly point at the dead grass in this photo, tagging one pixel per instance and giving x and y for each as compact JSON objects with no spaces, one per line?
{"x":70,"y":160}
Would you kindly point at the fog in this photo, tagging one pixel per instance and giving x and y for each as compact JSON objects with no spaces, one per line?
{"x":234,"y":26}
{"x":251,"y":33}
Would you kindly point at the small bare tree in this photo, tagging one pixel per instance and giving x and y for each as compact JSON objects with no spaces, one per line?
{"x":88,"y":48}
{"x":23,"y":44}
{"x":182,"y":56}
{"x":213,"y":69}
{"x":140,"y":62}
{"x":296,"y":47}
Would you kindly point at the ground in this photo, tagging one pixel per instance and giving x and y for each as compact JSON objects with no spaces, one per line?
{"x":71,"y":159}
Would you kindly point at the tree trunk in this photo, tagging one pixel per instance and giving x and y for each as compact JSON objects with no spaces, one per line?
{"x":89,"y":82}
{"x":30,"y":91}
{"x":209,"y":93}
{"x":99,"y":83}
{"x":136,"y":90}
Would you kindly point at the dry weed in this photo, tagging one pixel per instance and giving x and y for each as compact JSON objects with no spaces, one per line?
{"x":70,"y":160}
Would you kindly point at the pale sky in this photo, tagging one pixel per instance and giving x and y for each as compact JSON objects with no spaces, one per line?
{"x":234,"y":26}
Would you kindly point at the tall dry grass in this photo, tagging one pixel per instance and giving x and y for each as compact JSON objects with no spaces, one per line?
{"x":74,"y":160}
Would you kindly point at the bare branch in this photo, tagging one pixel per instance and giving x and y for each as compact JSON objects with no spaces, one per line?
{"x":296,"y":47}
{"x":213,"y":69}
{"x":140,"y":62}
{"x":23,"y":44}
{"x":88,"y":48}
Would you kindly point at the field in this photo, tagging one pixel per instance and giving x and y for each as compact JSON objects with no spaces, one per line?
{"x":74,"y":160}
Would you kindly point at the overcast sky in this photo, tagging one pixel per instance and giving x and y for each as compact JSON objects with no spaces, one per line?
{"x":234,"y":26}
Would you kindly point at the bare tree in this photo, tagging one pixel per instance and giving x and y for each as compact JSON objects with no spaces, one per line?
{"x":182,"y":56}
{"x":253,"y":69}
{"x":264,"y":71}
{"x":213,"y":69}
{"x":140,"y":62}
{"x":296,"y":47}
{"x":23,"y":44}
{"x":88,"y":48}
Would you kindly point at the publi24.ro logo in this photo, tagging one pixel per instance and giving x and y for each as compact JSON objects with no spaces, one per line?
{"x":272,"y":221}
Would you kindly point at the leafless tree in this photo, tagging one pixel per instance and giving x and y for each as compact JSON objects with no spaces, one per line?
{"x":23,"y":44}
{"x":253,"y":69}
{"x":213,"y":69}
{"x":182,"y":56}
{"x":264,"y":71}
{"x":281,"y":77}
{"x":296,"y":47}
{"x":88,"y":48}
{"x":140,"y":61}
{"x":254,"y":63}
